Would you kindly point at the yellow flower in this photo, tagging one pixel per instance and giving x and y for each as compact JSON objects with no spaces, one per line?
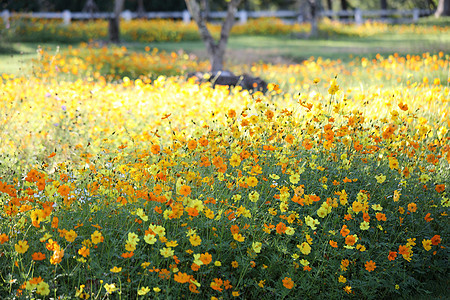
{"x":252,"y":181}
{"x":305,"y":248}
{"x":364,"y":225}
{"x":70,"y":236}
{"x":150,"y":239}
{"x":377,"y":207}
{"x":116,"y":269}
{"x":393,"y":163}
{"x":172,"y":244}
{"x":235,"y":160}
{"x":21,"y":247}
{"x":195,"y":240}
{"x":217,"y":263}
{"x":110,"y":288}
{"x":96,"y":237}
{"x":289,"y":230}
{"x":342,"y":279}
{"x":261,"y":283}
{"x":426,"y":244}
{"x":238,"y":237}
{"x":42,"y":288}
{"x":253,"y":196}
{"x":257,"y":247}
{"x":396,"y":195}
{"x":166,"y":252}
{"x":130,"y":247}
{"x":311,"y":222}
{"x":156,"y":289}
{"x":143,"y":291}
{"x":294,"y":178}
{"x":380,"y":178}
{"x":133,"y":238}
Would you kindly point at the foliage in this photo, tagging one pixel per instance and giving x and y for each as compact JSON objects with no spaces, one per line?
{"x":166,"y":188}
{"x":112,"y":63}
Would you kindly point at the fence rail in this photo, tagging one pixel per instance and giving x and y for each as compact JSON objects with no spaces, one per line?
{"x":356,"y":16}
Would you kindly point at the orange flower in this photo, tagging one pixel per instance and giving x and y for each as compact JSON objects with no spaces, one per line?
{"x":439,"y":188}
{"x":289,"y":139}
{"x":392,"y":255}
{"x":127,"y":254}
{"x":281,"y":228}
{"x":3,"y":238}
{"x":181,"y":277}
{"x":216,"y":284}
{"x":403,"y":250}
{"x":370,"y":265}
{"x":192,"y":144}
{"x":234,"y":229}
{"x":155,"y":149}
{"x":203,"y":141}
{"x":192,"y":211}
{"x":307,"y":144}
{"x":193,"y":288}
{"x":350,"y":240}
{"x":412,"y":207}
{"x":84,"y":251}
{"x":344,"y":230}
{"x":185,"y":190}
{"x":380,"y":216}
{"x":288,"y":283}
{"x":333,"y":244}
{"x":435,"y":240}
{"x":428,"y":218}
{"x":206,"y":258}
{"x":38,"y":256}
{"x":195,"y":267}
{"x":57,"y":257}
{"x":63,"y":190}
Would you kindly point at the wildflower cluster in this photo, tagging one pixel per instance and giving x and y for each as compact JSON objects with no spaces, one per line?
{"x":169,"y":188}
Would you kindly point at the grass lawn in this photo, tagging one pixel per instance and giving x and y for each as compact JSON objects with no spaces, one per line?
{"x":16,"y":59}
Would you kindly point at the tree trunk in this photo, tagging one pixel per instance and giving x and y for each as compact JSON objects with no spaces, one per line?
{"x":114,"y":22}
{"x":344,"y":6}
{"x":141,"y":9}
{"x":443,"y":8}
{"x":215,"y":50}
{"x":383,"y":6}
{"x":90,"y":6}
{"x":313,"y":10}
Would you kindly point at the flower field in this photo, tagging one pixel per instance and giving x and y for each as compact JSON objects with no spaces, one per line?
{"x":147,"y":31}
{"x":334,"y":184}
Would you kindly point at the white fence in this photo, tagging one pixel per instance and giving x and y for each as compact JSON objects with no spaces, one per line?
{"x":356,"y":16}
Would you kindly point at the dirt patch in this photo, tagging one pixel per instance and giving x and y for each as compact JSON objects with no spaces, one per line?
{"x":250,"y":56}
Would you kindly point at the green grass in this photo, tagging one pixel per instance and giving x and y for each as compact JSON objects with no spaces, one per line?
{"x":16,"y":57}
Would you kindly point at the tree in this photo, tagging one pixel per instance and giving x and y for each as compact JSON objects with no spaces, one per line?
{"x":90,"y":7}
{"x":215,"y":50}
{"x":443,"y":8}
{"x":114,"y":28}
{"x":313,"y":12}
